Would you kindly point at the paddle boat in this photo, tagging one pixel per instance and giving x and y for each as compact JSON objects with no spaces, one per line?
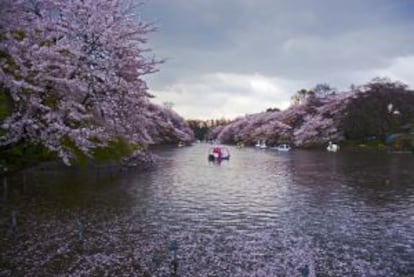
{"x":332,"y":147}
{"x":218,"y":153}
{"x":261,"y":144}
{"x":283,"y":147}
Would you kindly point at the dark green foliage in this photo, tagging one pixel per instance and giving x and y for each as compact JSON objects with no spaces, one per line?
{"x":368,"y":117}
{"x":114,"y":151}
{"x":9,"y":65}
{"x":18,"y":34}
{"x":5,"y":105}
{"x":79,"y":156}
{"x":200,"y":128}
{"x":22,"y":155}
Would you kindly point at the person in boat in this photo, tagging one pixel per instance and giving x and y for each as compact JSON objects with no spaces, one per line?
{"x":217,"y":152}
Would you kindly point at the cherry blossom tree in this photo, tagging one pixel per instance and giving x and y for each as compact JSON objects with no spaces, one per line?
{"x":316,"y":119}
{"x":167,"y":126}
{"x":74,"y":73}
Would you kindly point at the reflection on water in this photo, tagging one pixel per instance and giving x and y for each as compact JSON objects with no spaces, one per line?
{"x":261,"y":213}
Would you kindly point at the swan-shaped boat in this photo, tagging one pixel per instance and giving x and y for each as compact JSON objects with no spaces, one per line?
{"x":332,"y":147}
{"x":261,"y":144}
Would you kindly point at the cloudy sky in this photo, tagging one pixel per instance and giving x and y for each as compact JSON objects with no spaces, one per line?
{"x":226,"y":58}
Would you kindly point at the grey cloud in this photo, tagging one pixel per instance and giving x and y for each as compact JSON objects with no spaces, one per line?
{"x":302,"y":42}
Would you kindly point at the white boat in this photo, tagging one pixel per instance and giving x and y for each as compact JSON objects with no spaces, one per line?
{"x":283,"y":148}
{"x":261,"y":144}
{"x":332,"y":147}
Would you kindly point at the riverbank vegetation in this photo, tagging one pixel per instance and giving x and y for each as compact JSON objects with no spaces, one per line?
{"x":71,"y":83}
{"x":377,"y":114}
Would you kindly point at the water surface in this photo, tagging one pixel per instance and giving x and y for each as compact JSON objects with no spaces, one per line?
{"x":260,"y":214}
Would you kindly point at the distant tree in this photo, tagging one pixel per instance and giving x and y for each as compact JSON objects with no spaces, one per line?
{"x":323,"y":90}
{"x":323,"y":123}
{"x":369,"y":114}
{"x":381,"y":83}
{"x":199,"y":128}
{"x":352,"y":87}
{"x":302,"y":96}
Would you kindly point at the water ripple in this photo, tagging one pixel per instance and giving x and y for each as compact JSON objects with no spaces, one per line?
{"x":259,"y":214}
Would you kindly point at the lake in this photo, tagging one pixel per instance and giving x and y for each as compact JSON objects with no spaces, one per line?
{"x":262,"y":213}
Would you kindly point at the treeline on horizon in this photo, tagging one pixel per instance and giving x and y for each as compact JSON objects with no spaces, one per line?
{"x":378,"y":113}
{"x":71,"y":84}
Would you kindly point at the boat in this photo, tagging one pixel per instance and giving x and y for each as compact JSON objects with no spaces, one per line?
{"x":261,"y":144}
{"x":332,"y":147}
{"x":218,"y":153}
{"x":283,"y":147}
{"x":181,"y":144}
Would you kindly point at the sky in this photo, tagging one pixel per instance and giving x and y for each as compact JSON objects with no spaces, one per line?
{"x":229,"y":58}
